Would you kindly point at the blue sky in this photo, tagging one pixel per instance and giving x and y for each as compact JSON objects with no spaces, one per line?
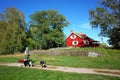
{"x":75,"y":11}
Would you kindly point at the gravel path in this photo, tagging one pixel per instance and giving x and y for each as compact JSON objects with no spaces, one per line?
{"x":73,"y":70}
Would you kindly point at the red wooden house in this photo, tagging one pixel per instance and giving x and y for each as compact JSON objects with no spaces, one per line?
{"x":80,"y":40}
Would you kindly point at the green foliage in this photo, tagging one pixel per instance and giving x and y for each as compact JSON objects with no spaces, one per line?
{"x":13,"y":15}
{"x":106,"y":16}
{"x":46,"y":29}
{"x":12,"y":31}
{"x":17,"y":73}
{"x":114,"y":35}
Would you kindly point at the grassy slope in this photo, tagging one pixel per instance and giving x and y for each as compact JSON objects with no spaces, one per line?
{"x":110,"y":59}
{"x":17,"y":73}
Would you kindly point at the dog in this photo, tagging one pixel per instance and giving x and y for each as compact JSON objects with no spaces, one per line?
{"x":28,"y":63}
{"x":25,"y":63}
{"x":43,"y":64}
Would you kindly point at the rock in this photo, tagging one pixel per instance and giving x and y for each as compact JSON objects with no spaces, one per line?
{"x":92,"y":54}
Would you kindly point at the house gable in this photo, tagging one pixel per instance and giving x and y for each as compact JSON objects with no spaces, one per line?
{"x":74,"y":40}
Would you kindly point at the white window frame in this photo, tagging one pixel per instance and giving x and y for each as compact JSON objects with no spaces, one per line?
{"x":73,"y":36}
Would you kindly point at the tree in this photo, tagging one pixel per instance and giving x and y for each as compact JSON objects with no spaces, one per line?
{"x":106,"y":16}
{"x":46,"y":28}
{"x":13,"y":15}
{"x":12,"y":31}
{"x":114,"y":36}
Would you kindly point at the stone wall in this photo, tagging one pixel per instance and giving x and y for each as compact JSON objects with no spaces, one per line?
{"x":60,"y":52}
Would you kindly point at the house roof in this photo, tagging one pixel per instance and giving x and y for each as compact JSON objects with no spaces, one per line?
{"x":83,"y":36}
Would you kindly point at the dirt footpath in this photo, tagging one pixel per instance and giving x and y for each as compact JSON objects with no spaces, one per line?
{"x":73,"y":70}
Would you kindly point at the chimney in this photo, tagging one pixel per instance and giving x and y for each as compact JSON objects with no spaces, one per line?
{"x":81,"y":33}
{"x":71,"y":31}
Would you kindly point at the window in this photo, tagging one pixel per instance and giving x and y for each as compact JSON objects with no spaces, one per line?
{"x":75,"y":43}
{"x":73,"y":36}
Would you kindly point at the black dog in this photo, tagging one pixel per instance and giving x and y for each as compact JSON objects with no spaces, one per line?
{"x":43,"y":64}
{"x":28,"y":63}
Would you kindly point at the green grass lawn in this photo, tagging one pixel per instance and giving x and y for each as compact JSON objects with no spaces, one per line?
{"x":21,"y":73}
{"x":109,"y":60}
